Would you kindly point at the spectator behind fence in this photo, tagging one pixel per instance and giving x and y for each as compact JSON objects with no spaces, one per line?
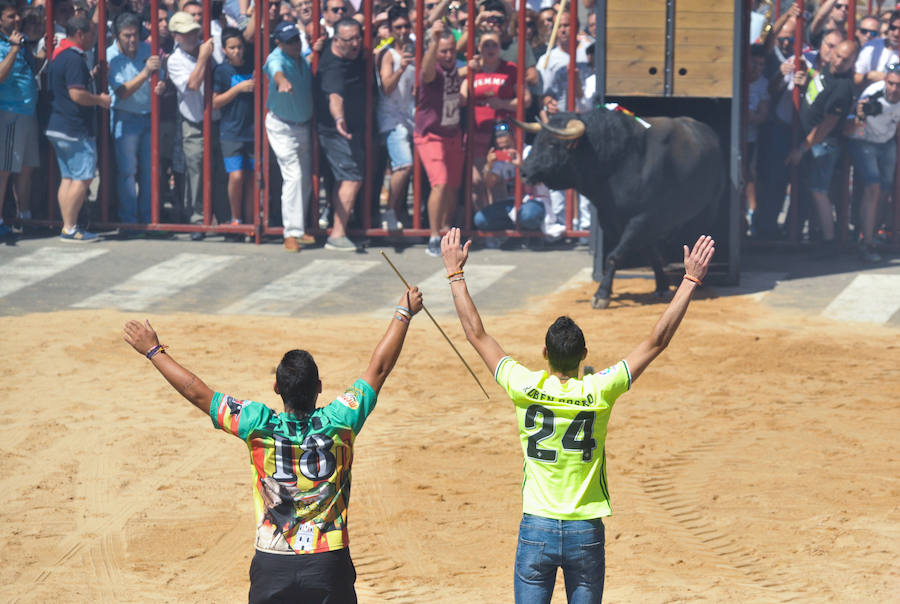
{"x":332,"y":12}
{"x":757,"y":113}
{"x":500,"y":181}
{"x":878,"y":54}
{"x":303,"y":8}
{"x":341,"y":111}
{"x":233,"y":86}
{"x":395,"y":111}
{"x":868,"y":30}
{"x":290,"y":136}
{"x":187,"y":71}
{"x":873,"y":147}
{"x":438,"y":137}
{"x":71,"y":127}
{"x":558,"y":62}
{"x":827,"y":100}
{"x":494,"y":99}
{"x":832,"y":15}
{"x":129,"y":87}
{"x":18,"y":101}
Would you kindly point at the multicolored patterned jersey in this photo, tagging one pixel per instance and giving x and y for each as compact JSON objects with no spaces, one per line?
{"x":562,"y":428}
{"x":301,"y":467}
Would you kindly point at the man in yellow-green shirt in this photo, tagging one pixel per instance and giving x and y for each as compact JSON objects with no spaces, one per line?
{"x":562,"y":427}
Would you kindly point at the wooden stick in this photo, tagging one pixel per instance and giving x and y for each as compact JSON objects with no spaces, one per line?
{"x":562,"y":9}
{"x":472,"y":373}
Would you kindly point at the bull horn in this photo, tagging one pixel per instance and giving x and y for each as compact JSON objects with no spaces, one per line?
{"x":532,"y":127}
{"x":574,"y":129}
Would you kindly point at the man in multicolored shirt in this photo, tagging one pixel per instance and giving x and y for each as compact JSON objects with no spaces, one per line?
{"x":301,"y":461}
{"x":562,"y":427}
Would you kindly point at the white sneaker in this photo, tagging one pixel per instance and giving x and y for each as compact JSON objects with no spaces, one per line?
{"x":389,"y":221}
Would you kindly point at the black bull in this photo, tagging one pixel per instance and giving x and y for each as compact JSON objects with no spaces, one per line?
{"x":644,"y":182}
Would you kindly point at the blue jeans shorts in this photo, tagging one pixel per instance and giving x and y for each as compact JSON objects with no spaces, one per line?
{"x":874,"y":162}
{"x":823,"y":158}
{"x":77,"y":159}
{"x":545,"y":544}
{"x":399,"y":146}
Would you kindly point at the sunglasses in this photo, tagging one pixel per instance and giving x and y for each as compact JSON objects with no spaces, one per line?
{"x":338,"y":9}
{"x":893,"y":27}
{"x":842,"y":6}
{"x":429,"y":6}
{"x":868,"y":32}
{"x":496,"y":20}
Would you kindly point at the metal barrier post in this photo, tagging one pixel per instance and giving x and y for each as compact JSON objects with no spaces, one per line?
{"x":317,"y":29}
{"x":265,"y":154}
{"x":794,"y":210}
{"x":207,"y":120}
{"x":571,"y":194}
{"x":369,"y":147}
{"x":103,"y":130}
{"x":154,"y":116}
{"x":470,"y":121}
{"x":261,"y":205}
{"x":417,"y":159}
{"x":522,"y":34}
{"x":52,"y":168}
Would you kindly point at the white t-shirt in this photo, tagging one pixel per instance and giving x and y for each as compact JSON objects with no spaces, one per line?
{"x":882,"y":127}
{"x":559,"y":60}
{"x":864,"y":60}
{"x":190,"y":102}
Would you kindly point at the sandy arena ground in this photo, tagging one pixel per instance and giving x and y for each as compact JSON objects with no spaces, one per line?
{"x":756,"y":461}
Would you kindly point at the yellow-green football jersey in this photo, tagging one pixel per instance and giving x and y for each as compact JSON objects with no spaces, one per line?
{"x":562,"y":428}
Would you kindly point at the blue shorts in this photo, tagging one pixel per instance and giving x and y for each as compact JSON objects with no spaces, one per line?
{"x":238,"y":155}
{"x":399,"y":146}
{"x":77,"y":159}
{"x":874,"y":162}
{"x":823,"y":158}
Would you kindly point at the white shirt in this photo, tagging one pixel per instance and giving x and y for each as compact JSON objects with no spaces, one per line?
{"x":559,"y":59}
{"x":864,"y":60}
{"x":398,"y":106}
{"x":190,"y":102}
{"x":882,"y":127}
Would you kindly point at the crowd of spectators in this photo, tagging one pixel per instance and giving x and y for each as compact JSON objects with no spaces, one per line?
{"x":54,"y":100}
{"x":849,"y":90}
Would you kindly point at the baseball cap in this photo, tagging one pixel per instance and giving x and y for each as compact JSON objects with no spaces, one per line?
{"x":183,"y":23}
{"x":286,"y":31}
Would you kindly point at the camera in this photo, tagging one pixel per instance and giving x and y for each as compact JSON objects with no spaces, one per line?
{"x":871,"y":106}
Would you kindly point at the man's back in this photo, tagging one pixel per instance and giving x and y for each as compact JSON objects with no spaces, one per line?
{"x":562,"y":428}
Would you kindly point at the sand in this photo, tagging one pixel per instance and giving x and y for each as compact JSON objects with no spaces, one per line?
{"x":755,"y":461}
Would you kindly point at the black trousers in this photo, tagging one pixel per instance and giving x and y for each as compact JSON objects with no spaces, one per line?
{"x":325,"y":578}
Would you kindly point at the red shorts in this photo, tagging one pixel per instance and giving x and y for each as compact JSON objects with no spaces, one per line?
{"x":442,"y":158}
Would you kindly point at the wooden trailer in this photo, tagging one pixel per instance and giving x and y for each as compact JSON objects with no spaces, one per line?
{"x":682,"y":57}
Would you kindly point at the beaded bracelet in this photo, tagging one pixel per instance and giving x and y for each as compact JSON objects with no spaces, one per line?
{"x":694,"y":279}
{"x":156,"y":350}
{"x":454,"y":280}
{"x":459,"y":272}
{"x":401,"y":318}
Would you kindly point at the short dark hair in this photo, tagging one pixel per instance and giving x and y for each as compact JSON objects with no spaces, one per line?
{"x":895,"y":14}
{"x":758,"y":50}
{"x":493,"y":5}
{"x":565,"y":344}
{"x":347,"y":22}
{"x":78,"y":23}
{"x":297,"y":377}
{"x":191,"y":3}
{"x":126,"y":20}
{"x":8,"y":4}
{"x":231,"y":32}
{"x":395,"y":12}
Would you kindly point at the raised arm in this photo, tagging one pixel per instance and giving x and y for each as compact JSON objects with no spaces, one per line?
{"x":143,"y":338}
{"x":388,"y":349}
{"x":696,"y":263}
{"x":455,"y":257}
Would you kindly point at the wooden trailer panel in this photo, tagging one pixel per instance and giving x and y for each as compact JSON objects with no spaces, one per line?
{"x":704,"y":48}
{"x":635,"y":47}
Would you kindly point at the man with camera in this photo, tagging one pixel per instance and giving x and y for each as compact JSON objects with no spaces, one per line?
{"x":873,"y":147}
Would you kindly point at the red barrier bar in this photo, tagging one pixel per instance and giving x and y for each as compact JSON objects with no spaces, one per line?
{"x":778,"y":11}
{"x":207,"y":120}
{"x":842,"y":226}
{"x":258,"y":111}
{"x":369,"y":146}
{"x":417,"y":160}
{"x":317,"y":33}
{"x":522,"y":40}
{"x":103,"y":130}
{"x":52,"y":168}
{"x":154,"y":116}
{"x":571,"y":194}
{"x":470,"y":116}
{"x":264,"y":157}
{"x":794,"y":210}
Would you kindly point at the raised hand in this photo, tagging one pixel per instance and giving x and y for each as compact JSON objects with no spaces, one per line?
{"x":696,"y":261}
{"x":453,"y":254}
{"x":412,"y":299}
{"x":141,"y":336}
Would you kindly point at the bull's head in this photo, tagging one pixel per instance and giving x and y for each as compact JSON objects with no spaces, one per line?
{"x":551,"y":160}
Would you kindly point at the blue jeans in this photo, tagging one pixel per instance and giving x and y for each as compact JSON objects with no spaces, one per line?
{"x":495,"y":217}
{"x":131,"y":139}
{"x":874,"y":162}
{"x":546,"y":544}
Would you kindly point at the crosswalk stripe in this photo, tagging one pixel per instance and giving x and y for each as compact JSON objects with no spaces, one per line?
{"x":479,"y":277}
{"x":289,"y":293}
{"x":868,"y":298}
{"x":582,"y":276}
{"x":41,"y":264}
{"x":159,"y":281}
